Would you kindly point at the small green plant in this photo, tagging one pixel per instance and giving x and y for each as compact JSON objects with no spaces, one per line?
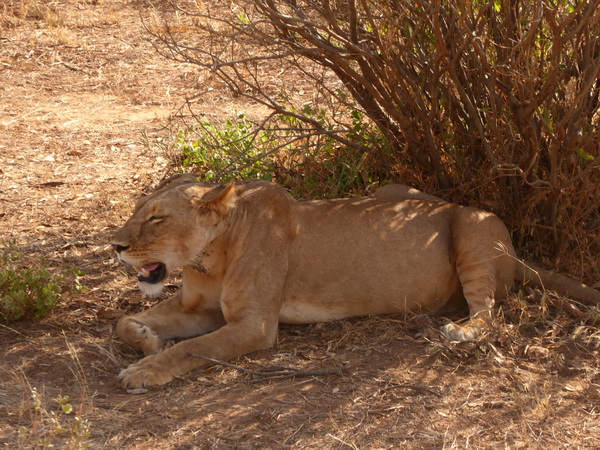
{"x":76,"y":275}
{"x":57,"y":424}
{"x":26,"y":291}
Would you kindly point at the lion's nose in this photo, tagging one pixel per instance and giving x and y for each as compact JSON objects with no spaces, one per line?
{"x":119,"y":248}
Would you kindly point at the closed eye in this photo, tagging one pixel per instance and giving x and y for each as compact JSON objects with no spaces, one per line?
{"x":155,"y":219}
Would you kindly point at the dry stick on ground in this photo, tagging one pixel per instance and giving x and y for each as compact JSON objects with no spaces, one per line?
{"x":277,"y":372}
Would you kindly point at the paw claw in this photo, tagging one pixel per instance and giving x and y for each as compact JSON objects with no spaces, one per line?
{"x":145,"y":373}
{"x":461,"y":333}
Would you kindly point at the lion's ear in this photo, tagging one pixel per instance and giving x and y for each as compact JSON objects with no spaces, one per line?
{"x":218,"y":200}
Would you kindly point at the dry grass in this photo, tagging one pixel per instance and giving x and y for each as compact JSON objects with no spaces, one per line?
{"x":532,"y":382}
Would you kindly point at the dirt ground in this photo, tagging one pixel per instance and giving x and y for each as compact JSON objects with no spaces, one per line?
{"x":83,"y":102}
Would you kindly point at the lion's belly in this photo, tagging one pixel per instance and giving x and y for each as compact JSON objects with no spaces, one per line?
{"x":321,"y":305}
{"x":398,"y":264}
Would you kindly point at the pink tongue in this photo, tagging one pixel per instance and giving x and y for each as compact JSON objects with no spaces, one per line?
{"x":151,"y":267}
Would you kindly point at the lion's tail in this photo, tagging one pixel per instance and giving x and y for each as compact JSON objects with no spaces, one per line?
{"x":535,"y":275}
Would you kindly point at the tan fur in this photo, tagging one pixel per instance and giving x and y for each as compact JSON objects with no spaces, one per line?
{"x":403,"y":191}
{"x":252,"y":257}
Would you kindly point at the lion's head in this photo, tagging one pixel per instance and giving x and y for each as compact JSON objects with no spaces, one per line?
{"x":171,"y":227}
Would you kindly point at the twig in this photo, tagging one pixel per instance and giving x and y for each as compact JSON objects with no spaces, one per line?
{"x":276,"y":372}
{"x":25,"y":338}
{"x":415,"y":387}
{"x":72,"y":67}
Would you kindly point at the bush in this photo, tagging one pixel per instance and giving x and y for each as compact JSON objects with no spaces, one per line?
{"x":222,"y":153}
{"x":310,"y":166}
{"x":26,"y":291}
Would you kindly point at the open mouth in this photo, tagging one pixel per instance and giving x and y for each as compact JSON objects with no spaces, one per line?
{"x":152,"y":273}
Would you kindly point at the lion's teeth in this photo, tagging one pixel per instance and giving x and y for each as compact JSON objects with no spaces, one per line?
{"x":142,"y":271}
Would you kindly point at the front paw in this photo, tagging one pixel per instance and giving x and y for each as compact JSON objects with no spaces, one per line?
{"x":139,"y":335}
{"x":150,"y":371}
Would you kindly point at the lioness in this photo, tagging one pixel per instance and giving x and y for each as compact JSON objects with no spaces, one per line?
{"x":252,"y":257}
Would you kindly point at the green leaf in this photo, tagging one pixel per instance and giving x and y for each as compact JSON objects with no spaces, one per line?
{"x":584,"y":155}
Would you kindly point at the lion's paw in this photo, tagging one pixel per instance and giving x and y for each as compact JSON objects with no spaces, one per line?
{"x":147,"y":372}
{"x":456,"y":332}
{"x":141,"y":336}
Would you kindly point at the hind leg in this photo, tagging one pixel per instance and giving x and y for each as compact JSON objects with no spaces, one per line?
{"x":483,"y":256}
{"x":477,"y":283}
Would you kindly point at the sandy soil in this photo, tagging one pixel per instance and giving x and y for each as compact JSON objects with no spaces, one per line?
{"x":83,"y":102}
